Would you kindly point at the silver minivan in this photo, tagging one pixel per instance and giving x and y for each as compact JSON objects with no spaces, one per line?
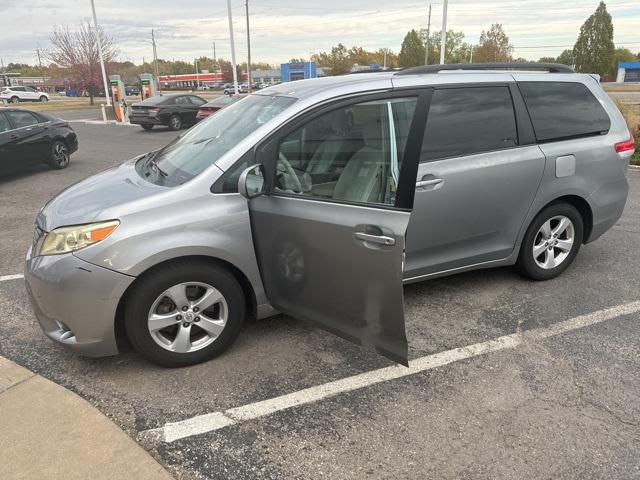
{"x":319,"y":198}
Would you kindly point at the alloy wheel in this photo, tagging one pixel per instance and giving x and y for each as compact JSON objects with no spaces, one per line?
{"x":176,"y":123}
{"x":60,"y":154}
{"x":187,"y":317}
{"x":553,"y":242}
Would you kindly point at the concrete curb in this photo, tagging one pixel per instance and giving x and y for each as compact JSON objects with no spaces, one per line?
{"x":46,"y":431}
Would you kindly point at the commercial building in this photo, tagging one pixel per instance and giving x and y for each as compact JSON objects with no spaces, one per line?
{"x":265,"y":77}
{"x":628,"y":72}
{"x":297,"y":71}
{"x":190,"y":80}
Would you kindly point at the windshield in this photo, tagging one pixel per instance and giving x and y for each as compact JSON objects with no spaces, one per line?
{"x":205,"y":143}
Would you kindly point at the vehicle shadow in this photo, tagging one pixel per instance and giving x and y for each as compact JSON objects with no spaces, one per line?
{"x":18,"y":173}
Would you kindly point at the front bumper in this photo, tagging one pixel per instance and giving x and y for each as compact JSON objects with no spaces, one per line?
{"x":75,"y":302}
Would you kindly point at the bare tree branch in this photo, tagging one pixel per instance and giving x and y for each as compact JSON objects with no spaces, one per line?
{"x":77,"y":53}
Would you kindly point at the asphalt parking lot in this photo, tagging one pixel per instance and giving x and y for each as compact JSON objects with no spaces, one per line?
{"x":548,"y":389}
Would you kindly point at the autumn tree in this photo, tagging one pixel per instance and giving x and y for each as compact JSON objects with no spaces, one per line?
{"x":412,"y":50}
{"x":594,"y":50}
{"x":77,"y":53}
{"x":494,"y":46}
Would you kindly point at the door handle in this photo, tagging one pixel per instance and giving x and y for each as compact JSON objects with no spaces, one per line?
{"x":428,"y":181}
{"x":379,"y":239}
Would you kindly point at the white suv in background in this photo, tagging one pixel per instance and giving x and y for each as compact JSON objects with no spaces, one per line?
{"x":17,"y":94}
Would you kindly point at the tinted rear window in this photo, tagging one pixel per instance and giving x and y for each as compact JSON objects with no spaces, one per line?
{"x":157,"y":100}
{"x":464,"y":121}
{"x":561,"y":110}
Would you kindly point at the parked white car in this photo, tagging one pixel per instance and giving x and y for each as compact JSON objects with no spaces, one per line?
{"x":17,"y":94}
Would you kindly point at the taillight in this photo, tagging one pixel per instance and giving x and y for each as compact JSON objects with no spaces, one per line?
{"x":626,"y":146}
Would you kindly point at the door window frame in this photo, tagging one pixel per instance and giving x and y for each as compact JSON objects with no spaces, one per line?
{"x":13,"y":124}
{"x":524,"y":127}
{"x":266,"y":151}
{"x":9,"y":123}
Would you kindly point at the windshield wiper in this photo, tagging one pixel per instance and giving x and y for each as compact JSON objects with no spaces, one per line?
{"x":153,"y":163}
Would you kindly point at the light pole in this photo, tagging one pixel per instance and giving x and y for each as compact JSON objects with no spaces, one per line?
{"x":426,"y":43}
{"x":99,"y":41}
{"x":443,"y":39}
{"x":197,"y":74}
{"x":233,"y":49}
{"x":246,"y":5}
{"x":155,"y":60}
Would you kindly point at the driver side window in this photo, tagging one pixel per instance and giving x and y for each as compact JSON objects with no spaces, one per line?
{"x":351,"y":154}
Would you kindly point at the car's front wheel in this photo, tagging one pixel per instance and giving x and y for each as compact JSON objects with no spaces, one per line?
{"x":59,"y":155}
{"x":175,"y":122}
{"x":15,"y":100}
{"x":184,"y":313}
{"x":551,"y":242}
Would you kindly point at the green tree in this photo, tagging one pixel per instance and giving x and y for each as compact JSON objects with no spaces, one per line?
{"x":566,"y":58}
{"x":621,"y":55}
{"x":337,"y":60}
{"x":494,"y":46}
{"x":412,"y":51}
{"x":456,"y":49}
{"x":594,"y":50}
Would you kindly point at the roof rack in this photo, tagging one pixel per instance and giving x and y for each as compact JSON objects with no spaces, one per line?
{"x":549,"y":67}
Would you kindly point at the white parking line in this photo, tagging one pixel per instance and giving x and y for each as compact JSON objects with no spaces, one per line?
{"x":6,"y":278}
{"x":217,"y":420}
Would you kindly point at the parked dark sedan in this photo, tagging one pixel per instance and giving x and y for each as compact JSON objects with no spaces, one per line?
{"x":32,"y":137}
{"x":175,"y":111}
{"x":216,"y":104}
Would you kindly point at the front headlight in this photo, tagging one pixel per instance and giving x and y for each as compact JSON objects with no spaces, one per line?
{"x":70,"y":239}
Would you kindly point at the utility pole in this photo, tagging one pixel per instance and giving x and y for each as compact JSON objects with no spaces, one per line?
{"x":41,"y":70}
{"x":246,"y":5}
{"x":384,"y":61}
{"x":215,"y":61}
{"x":426,"y":43}
{"x":443,"y":39}
{"x":155,"y":61}
{"x":99,"y":41}
{"x":233,"y":49}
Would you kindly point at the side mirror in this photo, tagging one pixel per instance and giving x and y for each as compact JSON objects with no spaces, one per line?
{"x":251,"y":183}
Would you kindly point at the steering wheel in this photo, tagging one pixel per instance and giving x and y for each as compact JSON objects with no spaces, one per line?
{"x":286,"y":169}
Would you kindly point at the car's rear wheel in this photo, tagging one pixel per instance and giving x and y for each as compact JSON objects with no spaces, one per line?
{"x":184,"y":313}
{"x":59,"y":155}
{"x":15,"y":100}
{"x":175,"y":122}
{"x":43,"y":99}
{"x":551,"y":242}
{"x":147,"y":127}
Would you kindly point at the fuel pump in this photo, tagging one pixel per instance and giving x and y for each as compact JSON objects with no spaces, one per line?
{"x":119,"y":96}
{"x":149,"y":87}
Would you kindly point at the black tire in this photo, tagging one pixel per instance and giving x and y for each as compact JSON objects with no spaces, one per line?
{"x":43,"y":99}
{"x":527,"y":265}
{"x":15,"y":100}
{"x":143,"y":295}
{"x":175,"y":122}
{"x":59,"y":155}
{"x":147,"y":127}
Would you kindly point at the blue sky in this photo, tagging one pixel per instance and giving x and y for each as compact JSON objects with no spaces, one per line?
{"x":282,"y":29}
